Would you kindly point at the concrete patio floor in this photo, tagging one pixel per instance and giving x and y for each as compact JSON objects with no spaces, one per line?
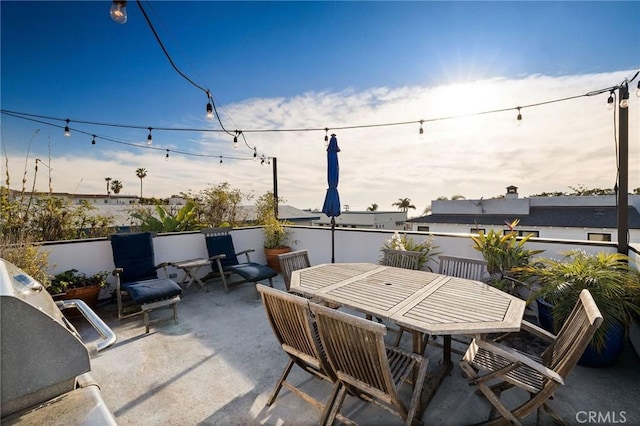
{"x":219,"y":364}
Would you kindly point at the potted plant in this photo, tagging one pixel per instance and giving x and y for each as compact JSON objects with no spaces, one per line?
{"x":614,"y":285}
{"x":505,"y":255}
{"x":276,"y":238}
{"x":72,"y":284}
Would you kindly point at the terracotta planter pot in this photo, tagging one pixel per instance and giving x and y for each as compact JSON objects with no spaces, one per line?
{"x":272,"y":257}
{"x":88,"y":295}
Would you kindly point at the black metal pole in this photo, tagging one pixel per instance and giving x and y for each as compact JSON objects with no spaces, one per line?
{"x":333,"y":245}
{"x":623,"y":172}
{"x":275,"y":186}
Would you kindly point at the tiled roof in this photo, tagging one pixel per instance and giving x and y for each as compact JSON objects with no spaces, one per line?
{"x":564,"y":216}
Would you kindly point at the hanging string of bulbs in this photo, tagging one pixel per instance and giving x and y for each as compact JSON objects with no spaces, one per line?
{"x":119,"y":14}
{"x":624,"y":103}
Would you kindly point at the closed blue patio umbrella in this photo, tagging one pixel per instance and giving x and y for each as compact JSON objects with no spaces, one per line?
{"x":331,"y":205}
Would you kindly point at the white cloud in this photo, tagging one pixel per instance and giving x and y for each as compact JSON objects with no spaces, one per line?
{"x":557,"y":145}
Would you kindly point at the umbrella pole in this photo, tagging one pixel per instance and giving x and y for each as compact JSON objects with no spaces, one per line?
{"x":333,"y":229}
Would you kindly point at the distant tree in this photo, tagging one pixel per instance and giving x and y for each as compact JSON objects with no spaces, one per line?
{"x":404,"y":204}
{"x":219,"y":205}
{"x":108,"y":179}
{"x":427,"y":210}
{"x":116,"y":186}
{"x":141,"y":173}
{"x":636,"y":191}
{"x":458,"y":197}
{"x":372,"y":208}
{"x":579,"y":191}
{"x":442,"y":198}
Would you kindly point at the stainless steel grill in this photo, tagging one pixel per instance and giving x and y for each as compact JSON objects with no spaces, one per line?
{"x":44,"y":364}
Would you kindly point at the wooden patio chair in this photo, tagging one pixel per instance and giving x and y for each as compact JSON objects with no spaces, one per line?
{"x":365,"y":367}
{"x":137,"y":277}
{"x":539,"y":376}
{"x":401,"y":258}
{"x":293,"y":261}
{"x":462,"y":267}
{"x":296,"y":331}
{"x":224,"y":259}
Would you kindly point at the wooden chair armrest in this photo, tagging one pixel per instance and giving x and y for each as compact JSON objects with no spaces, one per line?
{"x":538,"y":332}
{"x":515,"y":356}
{"x":117,"y":271}
{"x":246,"y":253}
{"x":216,"y":257}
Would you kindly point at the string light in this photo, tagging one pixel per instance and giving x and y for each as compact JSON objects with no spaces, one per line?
{"x":326,"y":135}
{"x":209,"y":111}
{"x":118,"y":11}
{"x":638,"y":89}
{"x":166,"y":157}
{"x":235,"y":140}
{"x":255,"y":152}
{"x":610,"y":101}
{"x":624,"y":95}
{"x":519,"y":117}
{"x":67,"y":132}
{"x":221,"y":160}
{"x":149,"y":138}
{"x":421,"y":131}
{"x":93,"y":141}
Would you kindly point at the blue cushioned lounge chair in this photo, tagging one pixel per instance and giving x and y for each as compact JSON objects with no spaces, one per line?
{"x":224,"y":260}
{"x":137,"y":276}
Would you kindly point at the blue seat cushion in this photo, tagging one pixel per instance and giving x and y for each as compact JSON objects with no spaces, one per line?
{"x":152,"y":290}
{"x":222,"y":244}
{"x":134,"y":254}
{"x":252,"y":271}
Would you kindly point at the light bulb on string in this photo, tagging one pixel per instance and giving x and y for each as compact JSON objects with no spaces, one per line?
{"x":638,"y":89}
{"x":67,"y":132}
{"x":519,"y":117}
{"x":326,"y":136}
{"x":421,"y":131}
{"x":118,"y":11}
{"x":166,"y":157}
{"x":209,"y":111}
{"x":624,"y":95}
{"x":93,"y":141}
{"x":149,"y":138}
{"x":221,"y":160}
{"x":255,"y":154}
{"x":235,"y":140}
{"x":610,"y":101}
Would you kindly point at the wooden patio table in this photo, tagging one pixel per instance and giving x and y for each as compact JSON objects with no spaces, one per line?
{"x":421,"y":301}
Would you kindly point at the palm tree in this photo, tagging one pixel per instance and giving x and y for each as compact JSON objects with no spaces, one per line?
{"x":141,"y":173}
{"x":404,"y":204}
{"x":108,"y":179}
{"x":116,"y":186}
{"x":372,"y":208}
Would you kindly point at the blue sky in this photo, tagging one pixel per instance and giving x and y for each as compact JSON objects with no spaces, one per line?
{"x":285,"y":65}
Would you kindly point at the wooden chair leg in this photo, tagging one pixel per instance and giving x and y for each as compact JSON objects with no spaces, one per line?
{"x":278,"y":386}
{"x":146,"y":321}
{"x":334,"y":404}
{"x":175,"y":312}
